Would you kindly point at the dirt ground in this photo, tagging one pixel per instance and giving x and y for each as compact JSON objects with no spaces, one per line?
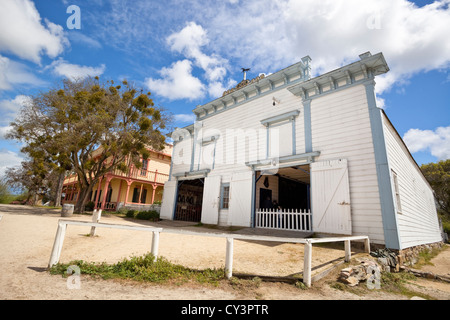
{"x":27,"y":235}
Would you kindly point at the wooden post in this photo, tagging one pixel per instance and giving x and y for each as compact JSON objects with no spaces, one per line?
{"x":348,"y":251}
{"x":129,"y":182}
{"x":153,"y":194}
{"x":155,"y":244}
{"x":367,"y":245}
{"x":105,"y":192}
{"x":307,"y":264}
{"x":57,"y":244}
{"x":96,"y":215}
{"x":229,"y":259}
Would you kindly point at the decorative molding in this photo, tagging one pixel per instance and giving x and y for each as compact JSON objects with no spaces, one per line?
{"x":364,"y":70}
{"x":281,"y":117}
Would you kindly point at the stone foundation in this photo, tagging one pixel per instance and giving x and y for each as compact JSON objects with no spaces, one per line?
{"x":410,"y":256}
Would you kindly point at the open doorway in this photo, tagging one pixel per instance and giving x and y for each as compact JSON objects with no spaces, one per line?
{"x":282,"y":199}
{"x":189,"y":200}
{"x":289,"y":188}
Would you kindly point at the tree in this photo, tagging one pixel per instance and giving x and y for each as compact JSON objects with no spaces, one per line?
{"x":91,"y":129}
{"x":34,"y":177}
{"x":438,"y":176}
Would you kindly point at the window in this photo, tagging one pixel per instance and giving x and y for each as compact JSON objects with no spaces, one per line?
{"x":397,"y":192}
{"x":281,"y":134}
{"x":144,"y":167}
{"x":225,"y":196}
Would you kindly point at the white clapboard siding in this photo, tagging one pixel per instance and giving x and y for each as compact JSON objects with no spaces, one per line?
{"x":417,"y":222}
{"x":341,"y":129}
{"x":330,"y":197}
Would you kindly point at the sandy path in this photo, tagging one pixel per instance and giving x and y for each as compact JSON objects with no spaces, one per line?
{"x":26,"y":240}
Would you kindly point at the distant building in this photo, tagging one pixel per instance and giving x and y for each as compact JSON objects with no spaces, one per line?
{"x":135,"y":188}
{"x":320,"y":148}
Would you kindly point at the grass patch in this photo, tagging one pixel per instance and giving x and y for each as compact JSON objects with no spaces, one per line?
{"x":143,"y":268}
{"x":395,"y":283}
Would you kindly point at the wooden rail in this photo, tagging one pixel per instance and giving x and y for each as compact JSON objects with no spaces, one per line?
{"x":62,"y":226}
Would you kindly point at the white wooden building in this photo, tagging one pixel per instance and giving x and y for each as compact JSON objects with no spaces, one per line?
{"x":320,"y":147}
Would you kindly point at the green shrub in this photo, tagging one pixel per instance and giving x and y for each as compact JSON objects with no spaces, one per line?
{"x":131,"y":213}
{"x":148,"y":215}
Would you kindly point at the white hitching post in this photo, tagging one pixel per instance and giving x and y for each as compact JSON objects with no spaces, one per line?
{"x":229,"y":259}
{"x":96,"y":215}
{"x":307,"y":264}
{"x":348,"y":251}
{"x":57,"y":245}
{"x":155,"y":244}
{"x":367,"y":245}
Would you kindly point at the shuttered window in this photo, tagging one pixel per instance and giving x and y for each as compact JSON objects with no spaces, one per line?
{"x":397,"y":192}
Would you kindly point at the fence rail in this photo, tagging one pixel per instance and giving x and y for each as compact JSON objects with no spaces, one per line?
{"x":284,"y":219}
{"x":62,"y":226}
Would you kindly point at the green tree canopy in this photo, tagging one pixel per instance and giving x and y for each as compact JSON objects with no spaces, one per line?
{"x":438,"y":175}
{"x":90,"y":128}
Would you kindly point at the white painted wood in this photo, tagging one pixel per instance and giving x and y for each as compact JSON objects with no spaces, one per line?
{"x":211,"y":200}
{"x":307,"y":264}
{"x":284,"y":219}
{"x":169,"y":199}
{"x":417,"y":221}
{"x":155,"y":244}
{"x":57,"y":244}
{"x":96,"y":215}
{"x":229,"y":258}
{"x":341,"y":128}
{"x":348,"y":251}
{"x":330,"y":197}
{"x":240,"y":199}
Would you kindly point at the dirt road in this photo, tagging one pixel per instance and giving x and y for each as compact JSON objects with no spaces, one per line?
{"x":27,"y":235}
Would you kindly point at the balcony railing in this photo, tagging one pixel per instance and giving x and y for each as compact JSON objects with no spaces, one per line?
{"x":138,"y":174}
{"x":146,"y":175}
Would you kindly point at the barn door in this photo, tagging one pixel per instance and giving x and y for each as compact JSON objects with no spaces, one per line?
{"x":211,"y":200}
{"x":241,"y":198}
{"x":169,"y":201}
{"x":330,"y":197}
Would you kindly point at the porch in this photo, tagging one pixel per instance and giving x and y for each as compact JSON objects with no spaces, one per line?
{"x":118,"y":189}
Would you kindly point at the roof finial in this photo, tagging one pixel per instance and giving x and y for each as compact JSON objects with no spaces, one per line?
{"x":244,"y":70}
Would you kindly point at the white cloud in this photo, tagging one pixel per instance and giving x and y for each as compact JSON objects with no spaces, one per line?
{"x":188,"y":41}
{"x":8,"y":159}
{"x":14,"y":73}
{"x":436,"y":142}
{"x":216,"y":88}
{"x":184,"y":117}
{"x":23,"y":34}
{"x":84,"y":40}
{"x":270,"y":35}
{"x":9,"y":109}
{"x":177,"y":82}
{"x":74,"y":71}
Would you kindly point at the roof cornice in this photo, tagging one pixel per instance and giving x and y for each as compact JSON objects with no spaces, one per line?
{"x":366,"y":68}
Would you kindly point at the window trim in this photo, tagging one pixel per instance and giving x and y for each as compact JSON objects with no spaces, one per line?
{"x":222,"y":193}
{"x":398,"y":204}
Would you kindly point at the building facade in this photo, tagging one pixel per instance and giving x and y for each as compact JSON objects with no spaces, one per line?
{"x":289,"y":151}
{"x":134,"y":189}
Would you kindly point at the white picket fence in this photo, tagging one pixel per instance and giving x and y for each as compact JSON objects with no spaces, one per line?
{"x":284,"y":219}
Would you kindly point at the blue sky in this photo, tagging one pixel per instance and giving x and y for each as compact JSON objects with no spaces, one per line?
{"x":188,"y":52}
